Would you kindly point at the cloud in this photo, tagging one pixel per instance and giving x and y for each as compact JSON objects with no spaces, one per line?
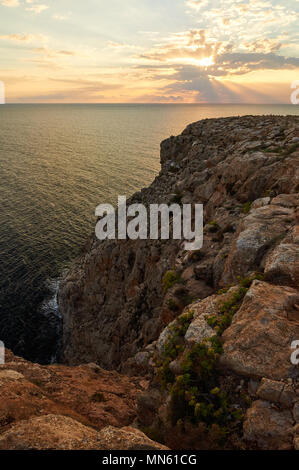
{"x":37,"y":9}
{"x":18,"y":37}
{"x":193,"y":44}
{"x":51,"y":53}
{"x":60,"y":17}
{"x":10,"y":3}
{"x":120,"y":46}
{"x":196,"y":4}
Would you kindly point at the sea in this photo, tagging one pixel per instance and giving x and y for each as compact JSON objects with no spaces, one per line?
{"x":57,"y":163}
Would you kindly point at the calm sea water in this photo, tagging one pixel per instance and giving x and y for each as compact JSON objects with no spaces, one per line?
{"x":57,"y":163}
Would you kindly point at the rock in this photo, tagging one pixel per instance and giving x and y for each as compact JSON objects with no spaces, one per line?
{"x":264,"y":201}
{"x":267,"y":428}
{"x":126,"y":439}
{"x":277,"y":392}
{"x":258,"y":232}
{"x":270,"y":390}
{"x":253,"y":386}
{"x":10,"y":375}
{"x":48,"y":433}
{"x":85,"y":393}
{"x":258,"y":343}
{"x":197,"y":331}
{"x":112,"y":300}
{"x":296,"y":412}
{"x":55,"y":432}
{"x":282,"y":265}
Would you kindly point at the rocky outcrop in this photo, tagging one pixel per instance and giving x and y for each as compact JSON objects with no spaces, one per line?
{"x":210,"y":330}
{"x":68,"y":408}
{"x":55,"y":432}
{"x":245,"y":171}
{"x":226,"y":362}
{"x":43,"y":406}
{"x":49,"y":432}
{"x":258,"y":343}
{"x":204,"y":338}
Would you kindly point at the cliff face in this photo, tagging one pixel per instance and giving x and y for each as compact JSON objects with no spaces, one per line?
{"x":205,"y":338}
{"x":245,"y":171}
{"x":211,"y":330}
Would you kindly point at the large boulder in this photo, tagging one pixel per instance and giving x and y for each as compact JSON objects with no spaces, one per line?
{"x":268,"y":428}
{"x":57,"y":432}
{"x":258,"y":343}
{"x":49,"y":432}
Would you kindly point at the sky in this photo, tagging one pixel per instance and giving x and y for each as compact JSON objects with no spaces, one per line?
{"x":139,"y":51}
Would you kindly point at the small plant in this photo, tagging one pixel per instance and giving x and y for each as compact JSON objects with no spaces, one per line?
{"x":173,"y":347}
{"x":246,"y":207}
{"x":291,"y":149}
{"x":170,"y":279}
{"x":223,"y":291}
{"x":98,"y":397}
{"x":213,"y":226}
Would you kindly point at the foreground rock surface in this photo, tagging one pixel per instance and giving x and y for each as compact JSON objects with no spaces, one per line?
{"x":87,"y":394}
{"x":56,"y":432}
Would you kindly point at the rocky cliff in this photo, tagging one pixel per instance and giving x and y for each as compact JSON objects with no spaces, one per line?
{"x":200,"y":341}
{"x":211,"y":330}
{"x":245,"y":171}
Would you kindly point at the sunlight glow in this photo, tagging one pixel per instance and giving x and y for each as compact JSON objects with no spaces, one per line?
{"x":206,"y":61}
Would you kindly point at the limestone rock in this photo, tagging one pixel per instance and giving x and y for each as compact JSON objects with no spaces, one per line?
{"x":258,"y":232}
{"x":85,"y":393}
{"x":113,"y":300}
{"x":126,"y":439}
{"x":49,"y":432}
{"x":267,"y":428}
{"x":258,"y":343}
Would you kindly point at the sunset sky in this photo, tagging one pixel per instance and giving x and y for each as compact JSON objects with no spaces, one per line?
{"x":223,"y":51}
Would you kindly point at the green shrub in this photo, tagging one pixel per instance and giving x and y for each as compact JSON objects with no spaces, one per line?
{"x":170,"y":279}
{"x":246,"y":207}
{"x":196,"y":396}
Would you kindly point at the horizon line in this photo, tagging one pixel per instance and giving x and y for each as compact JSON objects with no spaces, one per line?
{"x":153,"y":103}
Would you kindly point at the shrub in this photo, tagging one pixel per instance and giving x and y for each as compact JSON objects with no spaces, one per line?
{"x":170,"y":279}
{"x":246,"y":207}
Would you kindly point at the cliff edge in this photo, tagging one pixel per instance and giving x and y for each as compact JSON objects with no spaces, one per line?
{"x":211,"y":330}
{"x":245,"y":172}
